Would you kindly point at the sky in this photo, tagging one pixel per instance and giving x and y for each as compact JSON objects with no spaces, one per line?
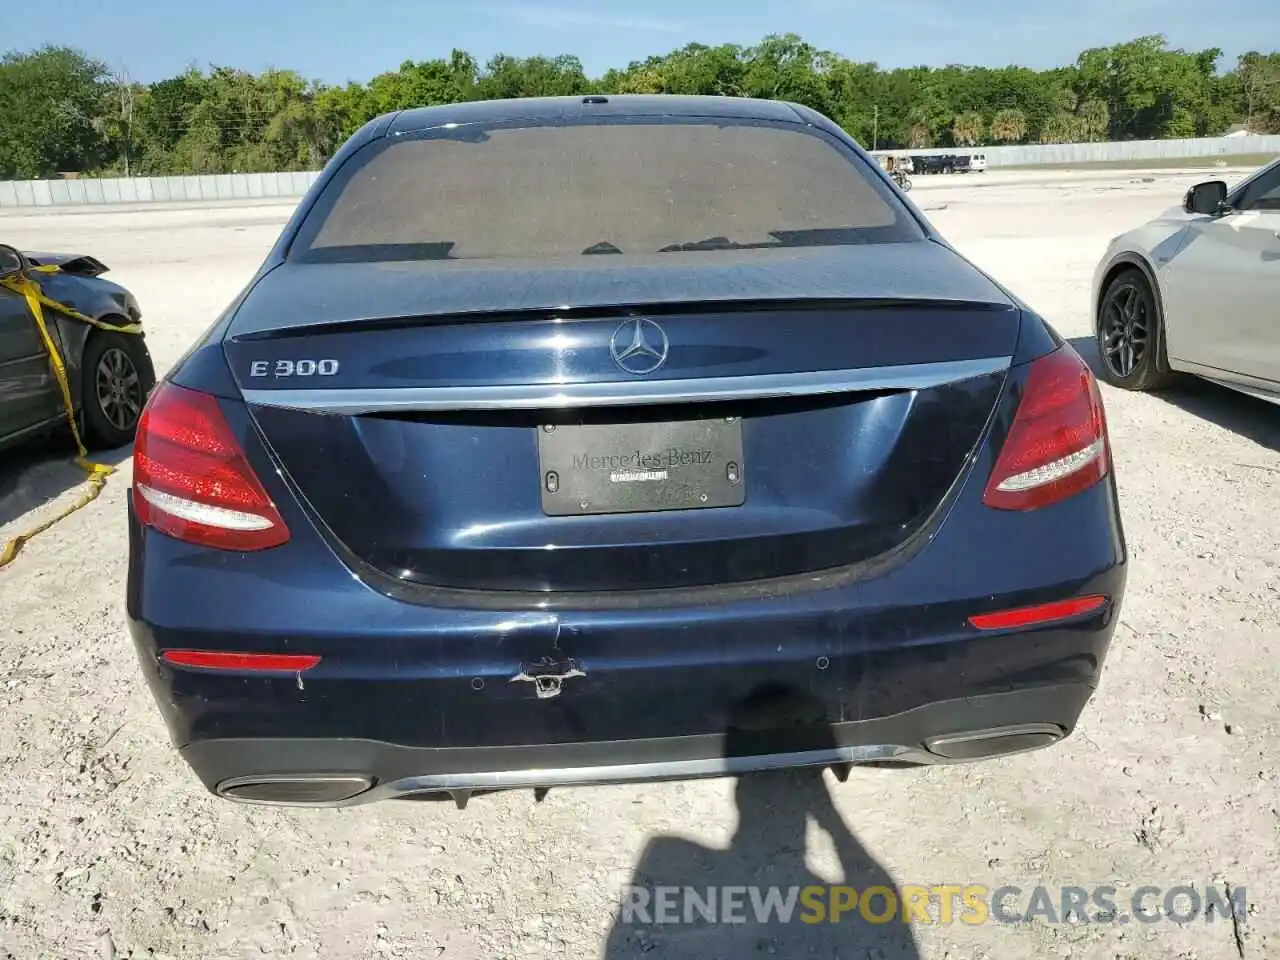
{"x":340,"y":40}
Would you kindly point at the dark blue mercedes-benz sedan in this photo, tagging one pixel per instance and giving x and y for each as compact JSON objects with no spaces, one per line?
{"x":555,"y":440}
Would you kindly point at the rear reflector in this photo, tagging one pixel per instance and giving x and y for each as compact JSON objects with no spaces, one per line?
{"x":1057,"y":445}
{"x":191,"y":479}
{"x":1039,"y":614}
{"x":259,"y":662}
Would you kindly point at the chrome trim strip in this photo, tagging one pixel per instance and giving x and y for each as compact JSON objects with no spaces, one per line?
{"x":917,"y":376}
{"x":657,"y":770}
{"x":610,"y":774}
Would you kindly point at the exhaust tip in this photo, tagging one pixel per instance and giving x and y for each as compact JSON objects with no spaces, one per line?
{"x":294,"y":790}
{"x":998,"y":741}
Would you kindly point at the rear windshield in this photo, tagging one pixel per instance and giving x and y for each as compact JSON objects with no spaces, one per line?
{"x":620,"y":189}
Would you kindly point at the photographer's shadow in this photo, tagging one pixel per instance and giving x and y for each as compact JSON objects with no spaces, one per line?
{"x":768,"y":855}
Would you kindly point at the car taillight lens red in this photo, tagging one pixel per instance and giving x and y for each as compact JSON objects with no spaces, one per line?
{"x":1058,"y":443}
{"x":191,"y":479}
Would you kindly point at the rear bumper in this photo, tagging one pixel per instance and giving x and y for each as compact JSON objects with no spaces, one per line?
{"x":344,"y":772}
{"x":412,"y":699}
{"x":651,"y":700}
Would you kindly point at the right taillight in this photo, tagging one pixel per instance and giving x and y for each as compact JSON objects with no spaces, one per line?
{"x":191,"y":479}
{"x":1058,"y":444}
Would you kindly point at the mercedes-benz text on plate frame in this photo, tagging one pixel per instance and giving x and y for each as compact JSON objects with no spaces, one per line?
{"x":641,"y":467}
{"x":639,"y":346}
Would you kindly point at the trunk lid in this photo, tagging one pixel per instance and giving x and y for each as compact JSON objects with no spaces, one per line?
{"x":420,"y":409}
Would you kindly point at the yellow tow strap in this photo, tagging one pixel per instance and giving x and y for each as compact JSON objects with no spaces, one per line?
{"x":29,"y":289}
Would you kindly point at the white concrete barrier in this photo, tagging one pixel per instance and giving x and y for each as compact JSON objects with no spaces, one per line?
{"x":94,"y":190}
{"x":241,"y":186}
{"x":1123,"y":151}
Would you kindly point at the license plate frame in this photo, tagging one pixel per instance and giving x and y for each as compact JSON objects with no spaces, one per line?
{"x":648,"y":467}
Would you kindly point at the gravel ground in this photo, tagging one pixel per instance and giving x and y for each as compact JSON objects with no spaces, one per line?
{"x":109,"y":847}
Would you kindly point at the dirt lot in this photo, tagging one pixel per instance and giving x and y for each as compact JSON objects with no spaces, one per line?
{"x":109,"y":848}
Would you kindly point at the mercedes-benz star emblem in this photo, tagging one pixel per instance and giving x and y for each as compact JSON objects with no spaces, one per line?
{"x":639,"y":346}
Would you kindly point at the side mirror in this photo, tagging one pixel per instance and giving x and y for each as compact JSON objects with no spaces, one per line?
{"x":1206,"y":198}
{"x":12,"y":263}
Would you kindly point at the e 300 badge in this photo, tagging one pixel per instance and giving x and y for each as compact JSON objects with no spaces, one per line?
{"x":293,"y":368}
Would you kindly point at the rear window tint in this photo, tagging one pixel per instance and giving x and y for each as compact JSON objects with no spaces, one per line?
{"x":558,"y":191}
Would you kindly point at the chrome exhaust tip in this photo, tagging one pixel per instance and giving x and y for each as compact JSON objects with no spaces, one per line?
{"x":995,"y":742}
{"x":294,"y":791}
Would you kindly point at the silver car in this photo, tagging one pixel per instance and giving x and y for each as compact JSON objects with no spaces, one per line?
{"x":1197,"y":290}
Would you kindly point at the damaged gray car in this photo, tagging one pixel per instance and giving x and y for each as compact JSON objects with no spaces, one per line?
{"x":109,"y":372}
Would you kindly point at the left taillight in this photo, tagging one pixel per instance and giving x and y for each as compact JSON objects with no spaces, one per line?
{"x":192,"y":480}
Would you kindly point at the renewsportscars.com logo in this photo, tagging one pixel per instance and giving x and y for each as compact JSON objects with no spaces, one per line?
{"x":972,"y":904}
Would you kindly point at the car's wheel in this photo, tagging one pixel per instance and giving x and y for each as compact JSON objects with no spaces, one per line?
{"x":117,"y":377}
{"x":1130,"y":334}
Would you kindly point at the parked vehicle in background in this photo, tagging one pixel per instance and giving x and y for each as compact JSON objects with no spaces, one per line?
{"x":602,"y":439}
{"x":1196,"y":290}
{"x":109,"y":373}
{"x":932,"y":163}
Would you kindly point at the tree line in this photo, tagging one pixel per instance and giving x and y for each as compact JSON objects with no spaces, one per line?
{"x":62,"y":111}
